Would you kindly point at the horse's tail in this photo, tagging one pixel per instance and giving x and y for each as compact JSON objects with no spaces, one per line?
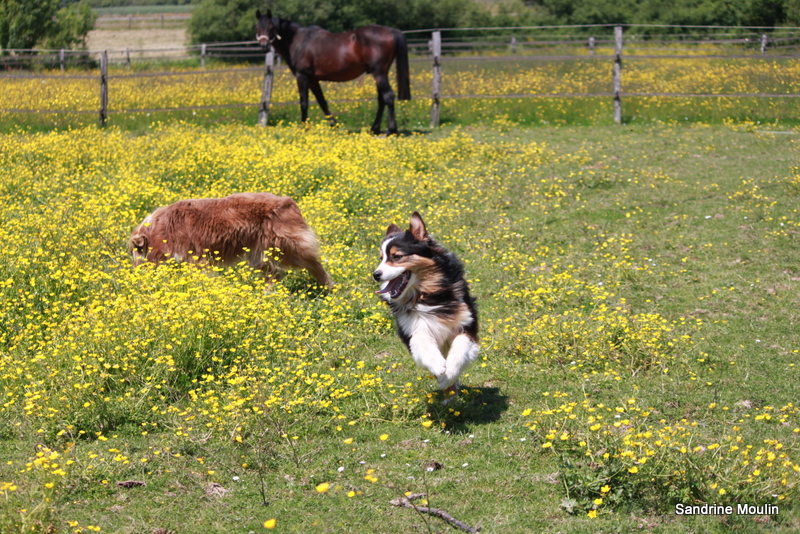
{"x":401,"y":53}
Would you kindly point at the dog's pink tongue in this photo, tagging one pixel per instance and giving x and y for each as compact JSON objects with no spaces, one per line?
{"x":391,"y":286}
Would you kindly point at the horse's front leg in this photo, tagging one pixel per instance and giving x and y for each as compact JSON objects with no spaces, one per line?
{"x":302,"y":88}
{"x":385,"y":99}
{"x":317,"y":90}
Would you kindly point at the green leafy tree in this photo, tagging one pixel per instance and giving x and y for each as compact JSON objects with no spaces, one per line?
{"x":765,"y":12}
{"x":24,"y":22}
{"x":72,"y":25}
{"x":603,"y":12}
{"x":224,"y":21}
{"x":792,"y":12}
{"x":519,"y":13}
{"x":692,"y":12}
{"x":28,"y":23}
{"x":444,"y":14}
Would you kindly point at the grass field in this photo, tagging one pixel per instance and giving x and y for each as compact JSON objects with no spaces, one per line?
{"x":476,"y":91}
{"x":637,"y":289}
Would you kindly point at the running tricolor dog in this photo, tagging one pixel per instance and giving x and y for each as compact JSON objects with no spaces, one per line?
{"x":425,"y":288}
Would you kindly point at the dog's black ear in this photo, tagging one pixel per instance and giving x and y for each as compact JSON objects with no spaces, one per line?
{"x":393,"y":229}
{"x":417,"y":227}
{"x":269,"y":13}
{"x":258,"y":14}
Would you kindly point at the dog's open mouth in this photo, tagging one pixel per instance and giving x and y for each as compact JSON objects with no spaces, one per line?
{"x":396,"y":285}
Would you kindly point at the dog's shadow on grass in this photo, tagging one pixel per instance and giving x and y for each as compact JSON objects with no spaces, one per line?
{"x":303,"y":287}
{"x":473,"y":406}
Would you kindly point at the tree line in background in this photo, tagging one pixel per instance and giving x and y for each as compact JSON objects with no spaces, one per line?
{"x":65,"y":23}
{"x":232,"y":20}
{"x":769,"y":13}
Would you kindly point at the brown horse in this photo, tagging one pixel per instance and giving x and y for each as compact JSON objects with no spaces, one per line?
{"x":315,"y":55}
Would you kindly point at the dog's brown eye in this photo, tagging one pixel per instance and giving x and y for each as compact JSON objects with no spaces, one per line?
{"x":397,"y":257}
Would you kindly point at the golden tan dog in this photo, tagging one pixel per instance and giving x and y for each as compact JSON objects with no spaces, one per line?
{"x":256,"y":227}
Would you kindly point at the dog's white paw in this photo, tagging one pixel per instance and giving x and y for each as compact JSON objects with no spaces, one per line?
{"x":449,"y":378}
{"x":438,"y":369}
{"x":444,"y":381}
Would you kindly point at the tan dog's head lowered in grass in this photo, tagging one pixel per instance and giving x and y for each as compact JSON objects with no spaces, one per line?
{"x":255,"y":227}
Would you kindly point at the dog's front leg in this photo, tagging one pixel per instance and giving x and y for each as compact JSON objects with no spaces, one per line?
{"x":463,"y":351}
{"x":426,"y":354}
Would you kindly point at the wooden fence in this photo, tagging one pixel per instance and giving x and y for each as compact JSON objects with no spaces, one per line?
{"x":440,"y":50}
{"x":61,"y":59}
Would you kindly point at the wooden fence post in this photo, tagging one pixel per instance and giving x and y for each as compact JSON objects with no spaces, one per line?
{"x":514,"y":46}
{"x":617,"y":74}
{"x":62,"y":59}
{"x":203,"y":55}
{"x":128,"y":55}
{"x":103,"y":88}
{"x":437,"y":79}
{"x":266,"y":93}
{"x":763,"y":43}
{"x":591,"y":45}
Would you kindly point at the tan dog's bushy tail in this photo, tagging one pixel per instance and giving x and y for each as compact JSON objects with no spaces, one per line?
{"x":307,"y":256}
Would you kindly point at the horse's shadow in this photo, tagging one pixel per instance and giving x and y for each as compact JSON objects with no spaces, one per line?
{"x":402,"y":132}
{"x":473,"y":406}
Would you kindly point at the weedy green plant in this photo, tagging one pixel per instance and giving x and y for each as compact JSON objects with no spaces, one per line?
{"x":792,"y":183}
{"x":611,"y":458}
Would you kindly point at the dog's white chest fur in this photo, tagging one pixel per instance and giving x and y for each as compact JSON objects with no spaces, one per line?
{"x":439,"y":346}
{"x":421,"y":321}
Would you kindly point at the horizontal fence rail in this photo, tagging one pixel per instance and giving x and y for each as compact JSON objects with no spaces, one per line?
{"x":440,"y":47}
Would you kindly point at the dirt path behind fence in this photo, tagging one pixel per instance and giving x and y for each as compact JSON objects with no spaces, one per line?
{"x":139,"y":38}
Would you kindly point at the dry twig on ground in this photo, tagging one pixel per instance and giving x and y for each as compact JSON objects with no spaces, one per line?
{"x":406,"y":502}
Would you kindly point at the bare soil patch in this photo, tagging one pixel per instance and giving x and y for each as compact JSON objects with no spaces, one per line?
{"x":137,"y":39}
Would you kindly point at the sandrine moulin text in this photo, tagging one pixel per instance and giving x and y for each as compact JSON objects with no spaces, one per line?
{"x":718,"y":509}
